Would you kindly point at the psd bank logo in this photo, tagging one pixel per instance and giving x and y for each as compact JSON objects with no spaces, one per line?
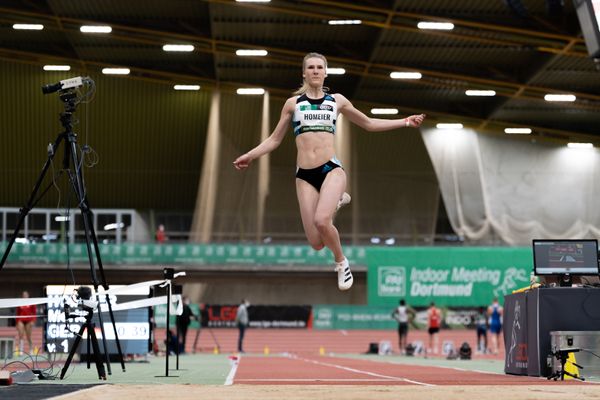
{"x":391,"y":281}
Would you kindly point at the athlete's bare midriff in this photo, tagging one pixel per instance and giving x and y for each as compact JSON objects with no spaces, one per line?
{"x":314,"y":149}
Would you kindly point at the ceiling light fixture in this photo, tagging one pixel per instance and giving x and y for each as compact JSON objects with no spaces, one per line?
{"x":480,"y":93}
{"x":28,"y":27}
{"x":518,"y":131}
{"x":186,"y":87}
{"x":443,"y":26}
{"x":575,"y":145}
{"x":57,"y":67}
{"x":384,"y":111}
{"x":257,"y":53}
{"x":95,"y":29}
{"x":178,"y":47}
{"x":115,"y":71}
{"x":449,"y":126}
{"x":406,"y":75}
{"x":250,"y":91}
{"x":344,"y":22}
{"x":336,"y":71}
{"x":560,"y":97}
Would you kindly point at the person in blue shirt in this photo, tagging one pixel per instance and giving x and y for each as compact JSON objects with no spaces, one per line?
{"x":320,"y":177}
{"x":495,"y":312}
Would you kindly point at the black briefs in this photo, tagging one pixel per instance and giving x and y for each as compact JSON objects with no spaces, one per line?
{"x":316,"y":176}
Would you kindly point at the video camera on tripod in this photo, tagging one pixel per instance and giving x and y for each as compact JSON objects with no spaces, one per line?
{"x":72,"y":168}
{"x":69,"y":95}
{"x":66,"y":84}
{"x":82,"y":297}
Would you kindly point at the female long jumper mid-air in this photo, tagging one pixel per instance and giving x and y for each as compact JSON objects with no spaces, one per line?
{"x":320,"y":177}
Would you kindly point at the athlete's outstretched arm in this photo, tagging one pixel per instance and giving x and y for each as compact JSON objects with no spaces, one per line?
{"x":375,"y":124}
{"x":273,"y":141}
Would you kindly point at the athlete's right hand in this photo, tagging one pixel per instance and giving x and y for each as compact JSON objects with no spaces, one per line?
{"x":242,"y":162}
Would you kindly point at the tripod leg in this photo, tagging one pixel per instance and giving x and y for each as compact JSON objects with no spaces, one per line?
{"x":72,"y":351}
{"x":32,"y":199}
{"x":214,"y":339}
{"x":105,"y":285}
{"x":92,"y":338}
{"x":88,"y":352}
{"x":179,"y":340}
{"x":168,"y":328}
{"x":77,"y":183}
{"x":196,"y":339}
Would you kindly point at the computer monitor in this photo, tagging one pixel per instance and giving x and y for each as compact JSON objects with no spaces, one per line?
{"x":565,"y":258}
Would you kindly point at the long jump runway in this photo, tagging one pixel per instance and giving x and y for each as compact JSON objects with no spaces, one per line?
{"x":300,"y":370}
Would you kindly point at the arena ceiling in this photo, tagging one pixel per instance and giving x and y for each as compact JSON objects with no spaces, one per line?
{"x":521,"y":49}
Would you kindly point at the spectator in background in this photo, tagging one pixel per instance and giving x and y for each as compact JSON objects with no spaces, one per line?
{"x":403,"y":314}
{"x":495,"y":312}
{"x":26,"y":316}
{"x":434,"y":320}
{"x":242,"y":321}
{"x":161,"y":236}
{"x":481,"y":325}
{"x":183,"y":322}
{"x":171,"y":342}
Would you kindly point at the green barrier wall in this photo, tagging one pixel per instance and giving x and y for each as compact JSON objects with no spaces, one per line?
{"x":450,"y":276}
{"x":181,"y":254}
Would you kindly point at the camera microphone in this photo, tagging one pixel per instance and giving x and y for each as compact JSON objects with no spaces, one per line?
{"x":65,"y":84}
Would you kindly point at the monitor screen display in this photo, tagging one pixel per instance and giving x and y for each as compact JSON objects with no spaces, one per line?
{"x":561,"y":257}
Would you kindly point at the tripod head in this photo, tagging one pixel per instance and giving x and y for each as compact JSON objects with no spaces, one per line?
{"x":562,"y":355}
{"x":68,"y":93}
{"x":69,"y":98}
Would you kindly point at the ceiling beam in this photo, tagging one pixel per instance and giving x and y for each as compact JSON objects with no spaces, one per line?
{"x":515,"y":36}
{"x":354,"y":66}
{"x":169,"y":78}
{"x":461,"y":22}
{"x":520,"y":91}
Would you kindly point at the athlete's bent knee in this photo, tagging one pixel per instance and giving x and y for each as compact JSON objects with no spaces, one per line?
{"x":322,"y":223}
{"x":317,"y":246}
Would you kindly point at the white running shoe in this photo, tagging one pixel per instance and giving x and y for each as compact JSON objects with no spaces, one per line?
{"x":346,"y":199}
{"x":345,"y":278}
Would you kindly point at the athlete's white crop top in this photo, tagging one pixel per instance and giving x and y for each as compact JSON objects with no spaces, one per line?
{"x":314,"y":115}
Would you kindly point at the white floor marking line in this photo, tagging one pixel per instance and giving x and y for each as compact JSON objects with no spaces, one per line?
{"x":311,"y":380}
{"x":232,"y":371}
{"x":447,"y":367}
{"x":393,"y":378}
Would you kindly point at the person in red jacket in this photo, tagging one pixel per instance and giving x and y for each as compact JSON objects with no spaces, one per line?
{"x":434,"y":320}
{"x":161,"y":236}
{"x":26,"y":316}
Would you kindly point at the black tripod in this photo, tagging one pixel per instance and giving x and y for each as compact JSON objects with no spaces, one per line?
{"x":92,"y":339}
{"x":563,"y":357}
{"x":70,"y":100}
